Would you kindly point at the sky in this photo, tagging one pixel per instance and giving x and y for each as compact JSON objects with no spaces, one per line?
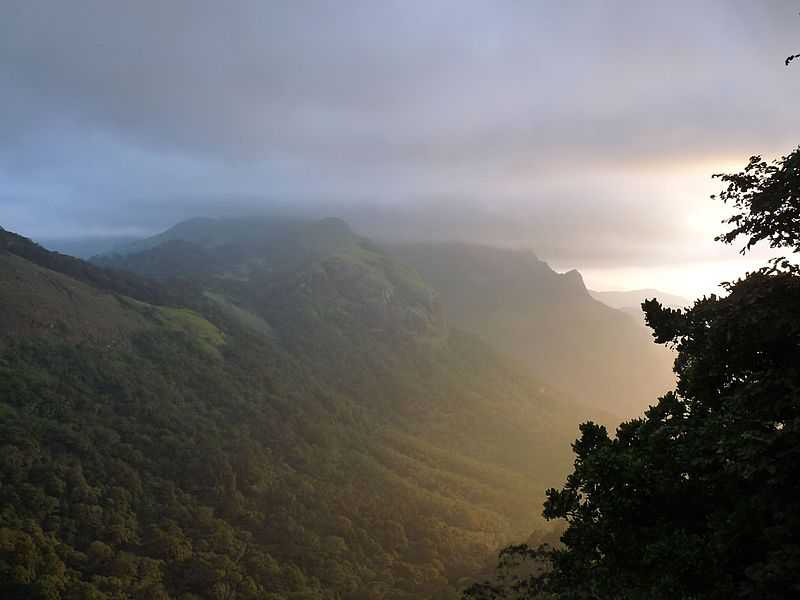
{"x":586,"y":131}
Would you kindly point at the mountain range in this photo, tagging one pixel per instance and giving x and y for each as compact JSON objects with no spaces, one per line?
{"x":630,"y":299}
{"x":257,"y":409}
{"x":280,"y":408}
{"x":546,"y":321}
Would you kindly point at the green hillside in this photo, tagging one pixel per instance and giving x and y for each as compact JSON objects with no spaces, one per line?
{"x":547,"y":321}
{"x":303,"y":425}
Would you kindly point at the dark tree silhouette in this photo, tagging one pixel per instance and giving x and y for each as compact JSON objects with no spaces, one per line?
{"x":699,"y":498}
{"x":767,"y":198}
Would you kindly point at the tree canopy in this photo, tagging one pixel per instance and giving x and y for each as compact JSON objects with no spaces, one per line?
{"x":698,"y":498}
{"x":766,"y":196}
{"x":291,"y":435}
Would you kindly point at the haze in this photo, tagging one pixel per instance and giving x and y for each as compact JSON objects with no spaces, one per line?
{"x":585,"y":131}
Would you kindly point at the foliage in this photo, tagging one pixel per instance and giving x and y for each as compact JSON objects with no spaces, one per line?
{"x":321,"y":435}
{"x":194,"y":325}
{"x":699,"y":497}
{"x":767,"y":198}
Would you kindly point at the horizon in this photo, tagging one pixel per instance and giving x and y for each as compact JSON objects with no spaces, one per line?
{"x":595,"y":280}
{"x":587,"y":133}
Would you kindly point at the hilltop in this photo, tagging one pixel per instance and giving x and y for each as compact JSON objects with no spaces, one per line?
{"x":294,"y":418}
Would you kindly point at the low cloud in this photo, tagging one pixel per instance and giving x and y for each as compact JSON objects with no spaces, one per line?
{"x":575,"y":130}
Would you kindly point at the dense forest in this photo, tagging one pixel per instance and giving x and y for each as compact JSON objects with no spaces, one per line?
{"x":293,"y":420}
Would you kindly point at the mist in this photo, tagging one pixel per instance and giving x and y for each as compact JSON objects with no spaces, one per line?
{"x":392,"y":300}
{"x":586,"y":134}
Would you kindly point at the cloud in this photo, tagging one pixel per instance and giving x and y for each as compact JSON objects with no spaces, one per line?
{"x":571,"y":128}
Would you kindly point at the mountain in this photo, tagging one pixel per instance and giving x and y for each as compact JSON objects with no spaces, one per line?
{"x":290,"y":418}
{"x":634,"y":298}
{"x":88,"y":246}
{"x":630,"y":301}
{"x":547,"y":321}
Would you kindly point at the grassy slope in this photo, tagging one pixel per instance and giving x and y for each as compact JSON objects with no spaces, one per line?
{"x":40,"y":301}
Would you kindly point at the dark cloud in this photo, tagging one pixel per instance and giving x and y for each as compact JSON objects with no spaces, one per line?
{"x":576,"y":128}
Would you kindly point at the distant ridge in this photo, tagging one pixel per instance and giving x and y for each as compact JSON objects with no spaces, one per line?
{"x":546,"y":320}
{"x":214,"y":232}
{"x":87,"y":246}
{"x":633,"y":298}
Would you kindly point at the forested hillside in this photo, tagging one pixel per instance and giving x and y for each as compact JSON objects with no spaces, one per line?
{"x":546,"y":320}
{"x":292,"y":420}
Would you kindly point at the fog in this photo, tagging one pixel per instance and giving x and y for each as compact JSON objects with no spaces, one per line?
{"x":587,"y":133}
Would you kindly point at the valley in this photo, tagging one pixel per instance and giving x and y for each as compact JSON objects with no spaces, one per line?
{"x":293,"y":416}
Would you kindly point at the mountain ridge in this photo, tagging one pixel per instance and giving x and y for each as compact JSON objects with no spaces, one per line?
{"x":546,"y":320}
{"x":354,"y":445}
{"x":516,"y":301}
{"x":625,"y":299}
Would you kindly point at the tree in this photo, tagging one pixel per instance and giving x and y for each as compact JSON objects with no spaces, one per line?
{"x":700,"y":497}
{"x":767,"y":198}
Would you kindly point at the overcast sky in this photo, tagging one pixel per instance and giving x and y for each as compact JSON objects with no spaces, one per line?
{"x":584,"y":130}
